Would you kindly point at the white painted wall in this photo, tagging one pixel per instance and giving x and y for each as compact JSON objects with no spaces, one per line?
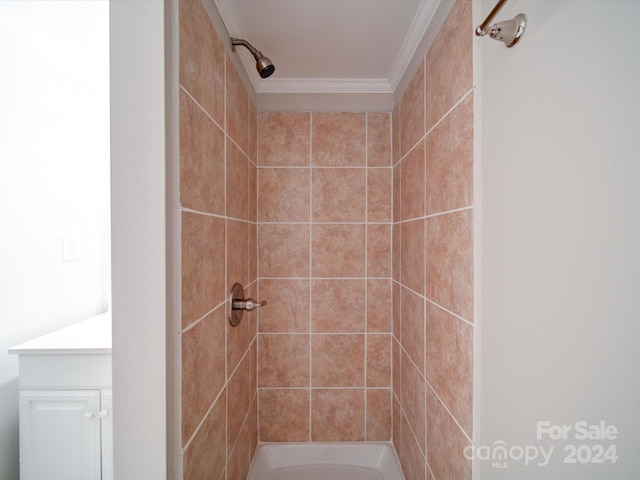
{"x":139,"y":262}
{"x":54,"y":180}
{"x":560,"y":230}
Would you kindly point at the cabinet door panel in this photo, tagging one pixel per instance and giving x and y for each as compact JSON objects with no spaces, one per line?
{"x":106,"y":414}
{"x":60,"y":435}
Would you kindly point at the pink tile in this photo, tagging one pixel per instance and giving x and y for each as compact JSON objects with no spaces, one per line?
{"x":251,"y":291}
{"x":252,"y":317}
{"x":254,"y":427}
{"x":253,"y":192}
{"x":450,"y":63}
{"x":379,"y":306}
{"x":284,"y":415}
{"x":378,"y":360}
{"x":239,"y":397}
{"x":378,"y":139}
{"x":338,"y":250}
{"x":203,"y":256}
{"x":253,"y":133}
{"x":396,"y":369}
{"x":337,"y":360}
{"x":412,"y":127}
{"x":413,"y":255}
{"x":203,"y":374}
{"x":450,"y":262}
{"x":413,"y":400}
{"x":253,"y":252}
{"x":237,"y":182}
{"x":450,"y":161}
{"x":395,"y":135}
{"x":287,"y":309}
{"x":337,"y":415}
{"x":412,"y":327}
{"x":338,"y":306}
{"x":378,"y":250}
{"x":396,"y":418}
{"x":339,"y":194}
{"x":284,"y":138}
{"x":450,"y":363}
{"x":205,"y":457}
{"x":239,"y":456}
{"x":237,"y":126}
{"x":412,"y":459}
{"x":201,"y":159}
{"x":202,"y":59}
{"x":397,"y":193}
{"x":283,"y":194}
{"x":396,"y":251}
{"x":283,"y":250}
{"x":446,"y":443}
{"x":379,"y":194}
{"x":283,"y":360}
{"x":338,"y":139}
{"x":237,"y":253}
{"x":413,"y":183}
{"x":238,"y":339}
{"x":378,"y":415}
{"x":396,"y":312}
{"x":253,"y":366}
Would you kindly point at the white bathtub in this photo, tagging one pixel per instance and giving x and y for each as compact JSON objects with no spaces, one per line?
{"x":321,"y":461}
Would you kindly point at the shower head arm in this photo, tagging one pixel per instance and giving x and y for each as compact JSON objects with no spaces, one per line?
{"x":238,"y":41}
{"x":263,"y":64}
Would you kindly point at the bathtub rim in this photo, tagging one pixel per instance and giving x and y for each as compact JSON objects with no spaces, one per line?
{"x":271,"y":456}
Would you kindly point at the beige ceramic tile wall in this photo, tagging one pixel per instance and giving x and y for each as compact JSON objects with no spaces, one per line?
{"x":433,"y":258}
{"x":218,"y":223}
{"x":324,"y":264}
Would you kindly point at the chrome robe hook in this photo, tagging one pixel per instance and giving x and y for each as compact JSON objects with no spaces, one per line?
{"x":508,"y":31}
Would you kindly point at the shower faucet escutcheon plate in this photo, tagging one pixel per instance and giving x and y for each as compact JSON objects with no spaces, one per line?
{"x":238,"y":304}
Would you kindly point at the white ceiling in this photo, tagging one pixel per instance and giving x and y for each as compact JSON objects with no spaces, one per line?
{"x":329,"y":46}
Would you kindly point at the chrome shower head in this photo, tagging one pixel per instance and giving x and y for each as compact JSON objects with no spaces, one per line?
{"x":263,"y":64}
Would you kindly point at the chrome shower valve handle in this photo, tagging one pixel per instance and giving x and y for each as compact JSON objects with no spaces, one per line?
{"x":238,"y":304}
{"x":249,"y":304}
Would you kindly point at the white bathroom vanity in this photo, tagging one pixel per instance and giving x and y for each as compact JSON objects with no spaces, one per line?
{"x":66,"y":426}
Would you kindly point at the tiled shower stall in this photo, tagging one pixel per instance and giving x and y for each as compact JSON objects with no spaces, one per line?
{"x":324,"y":260}
{"x":357,"y":228}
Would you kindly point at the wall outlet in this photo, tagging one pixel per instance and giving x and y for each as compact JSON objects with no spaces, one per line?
{"x":70,"y":248}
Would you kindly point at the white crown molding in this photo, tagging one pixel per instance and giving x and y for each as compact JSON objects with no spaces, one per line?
{"x":325,"y":102}
{"x":435,"y":23}
{"x":324,"y":85}
{"x":416,"y":33}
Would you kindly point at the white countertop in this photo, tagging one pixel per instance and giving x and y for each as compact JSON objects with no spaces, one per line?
{"x":88,"y":336}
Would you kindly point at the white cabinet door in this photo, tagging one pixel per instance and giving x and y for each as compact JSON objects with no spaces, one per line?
{"x":60,"y":435}
{"x":106,"y":415}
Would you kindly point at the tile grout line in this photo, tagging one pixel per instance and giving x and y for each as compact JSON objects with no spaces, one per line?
{"x":193,"y":324}
{"x":366,"y":264}
{"x":310,"y":414}
{"x":258,"y":279}
{"x":424,"y":253}
{"x":226,"y":271}
{"x":433,"y":302}
{"x":435,"y":125}
{"x":433,"y":390}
